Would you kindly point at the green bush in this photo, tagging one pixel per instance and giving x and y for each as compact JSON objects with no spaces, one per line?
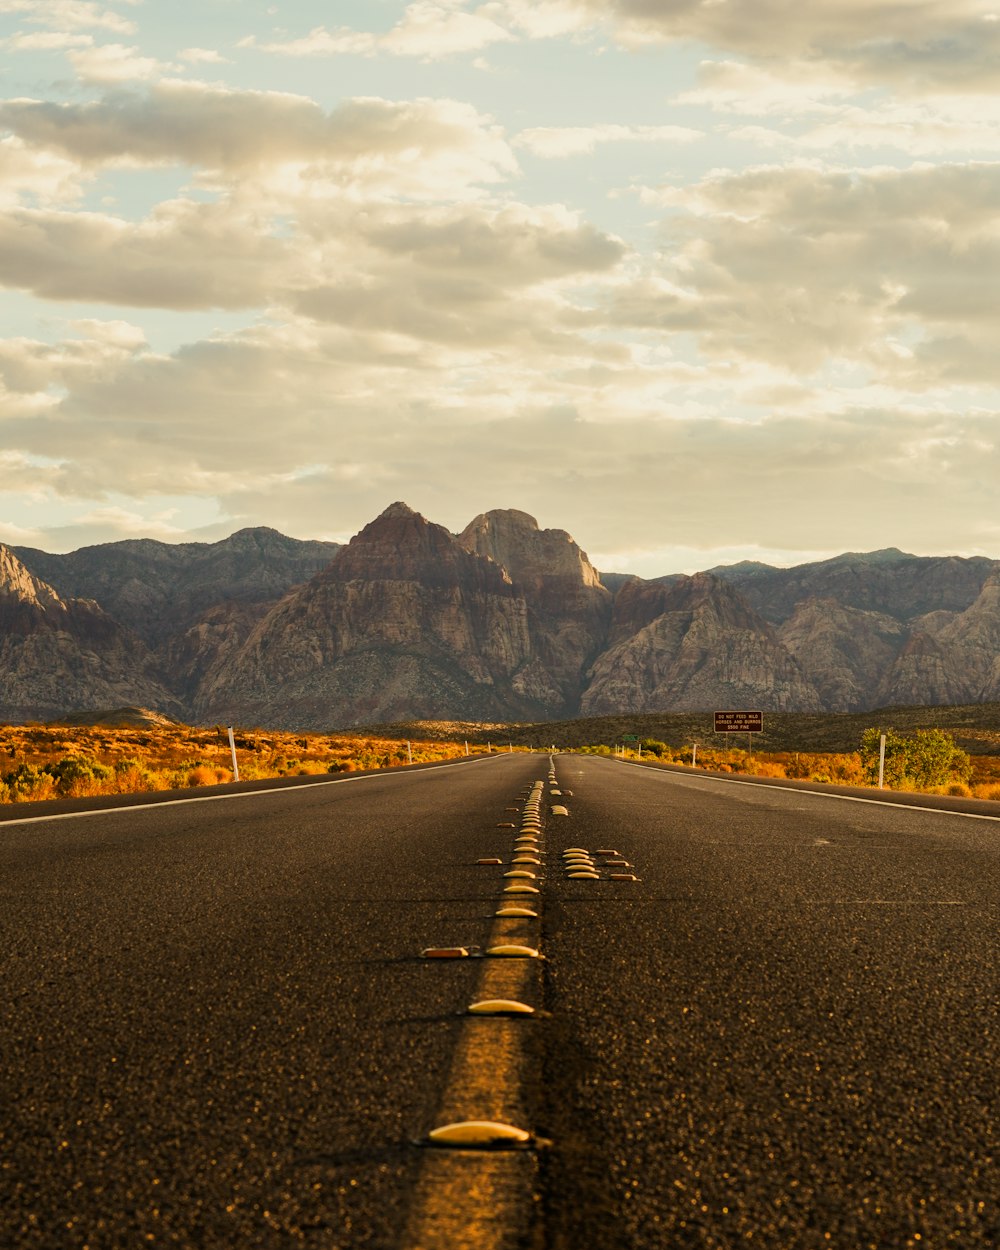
{"x":76,"y":772}
{"x":926,"y":760}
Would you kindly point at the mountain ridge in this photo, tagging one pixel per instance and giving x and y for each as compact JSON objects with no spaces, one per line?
{"x":502,"y":621}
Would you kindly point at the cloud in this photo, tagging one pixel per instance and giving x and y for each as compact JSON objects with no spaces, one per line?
{"x":69,"y":15}
{"x":185,"y":255}
{"x":564,"y":141}
{"x":916,"y":44}
{"x":203,"y":56}
{"x":314,"y":428}
{"x":800,"y":266}
{"x":429,"y":29}
{"x":41,"y":176}
{"x":113,"y":63}
{"x":807,"y":108}
{"x":45,"y":41}
{"x":416,"y":147}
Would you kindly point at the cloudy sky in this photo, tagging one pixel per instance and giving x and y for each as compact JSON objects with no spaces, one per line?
{"x":696,"y":280}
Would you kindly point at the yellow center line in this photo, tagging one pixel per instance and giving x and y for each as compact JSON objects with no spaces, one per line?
{"x":475,"y":1199}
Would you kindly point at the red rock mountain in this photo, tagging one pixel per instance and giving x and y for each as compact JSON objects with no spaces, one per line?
{"x":503,"y":621}
{"x":404,"y":622}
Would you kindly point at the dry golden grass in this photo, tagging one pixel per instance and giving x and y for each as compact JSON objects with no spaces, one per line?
{"x":59,"y":761}
{"x":836,"y":768}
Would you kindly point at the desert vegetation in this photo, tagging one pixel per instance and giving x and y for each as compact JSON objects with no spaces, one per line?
{"x":72,"y":761}
{"x":926,"y":761}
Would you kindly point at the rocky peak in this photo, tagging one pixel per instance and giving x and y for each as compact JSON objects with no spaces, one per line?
{"x":16,"y":583}
{"x":401,"y":545}
{"x":531,"y":556}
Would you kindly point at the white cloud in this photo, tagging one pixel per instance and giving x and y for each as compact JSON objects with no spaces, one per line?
{"x":429,"y":29}
{"x":43,"y":176}
{"x":564,"y":141}
{"x":185,"y":255}
{"x":807,"y":108}
{"x":69,"y":15}
{"x":917,"y":44}
{"x":45,"y":41}
{"x":409,"y":148}
{"x":111,"y":63}
{"x":203,"y":56}
{"x":801,"y":265}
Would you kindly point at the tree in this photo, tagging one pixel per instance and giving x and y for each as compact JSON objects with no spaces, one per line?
{"x":928,"y":759}
{"x":935,"y":760}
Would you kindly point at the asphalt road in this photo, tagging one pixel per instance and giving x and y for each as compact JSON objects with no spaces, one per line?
{"x":216,"y":1029}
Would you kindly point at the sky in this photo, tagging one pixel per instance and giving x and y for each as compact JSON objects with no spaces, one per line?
{"x":696,"y":280}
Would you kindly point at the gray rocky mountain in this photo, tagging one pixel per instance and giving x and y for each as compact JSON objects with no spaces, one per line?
{"x":502,"y":621}
{"x":692,"y":645}
{"x":158,"y":589}
{"x":58,"y":655}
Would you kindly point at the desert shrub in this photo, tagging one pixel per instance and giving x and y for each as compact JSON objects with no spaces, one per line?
{"x":651,"y":746}
{"x":928,"y":759}
{"x":991,"y":792}
{"x":131,"y":776}
{"x":958,"y":790}
{"x":78,"y":775}
{"x":768,"y":768}
{"x":202,"y":775}
{"x":27,"y":784}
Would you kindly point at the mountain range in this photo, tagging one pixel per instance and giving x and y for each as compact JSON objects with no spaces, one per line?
{"x":504,"y":621}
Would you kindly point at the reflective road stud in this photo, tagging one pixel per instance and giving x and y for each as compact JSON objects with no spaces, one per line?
{"x":511,"y":950}
{"x":500,"y":1007}
{"x":445,"y":952}
{"x":517,"y":911}
{"x":479,"y":1134}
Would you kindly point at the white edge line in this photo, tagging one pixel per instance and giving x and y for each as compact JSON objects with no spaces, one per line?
{"x":819,"y":794}
{"x":213,"y":798}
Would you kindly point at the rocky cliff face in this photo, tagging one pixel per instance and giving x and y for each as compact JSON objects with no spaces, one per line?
{"x":568,"y":608}
{"x":693,"y":645}
{"x":845,"y":651}
{"x":505,"y":620}
{"x":159,"y":589}
{"x":405,"y":622}
{"x":57,"y":655}
{"x":889,"y":582}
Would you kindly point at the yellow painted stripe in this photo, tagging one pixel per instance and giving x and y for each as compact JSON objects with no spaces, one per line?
{"x":483,"y":1200}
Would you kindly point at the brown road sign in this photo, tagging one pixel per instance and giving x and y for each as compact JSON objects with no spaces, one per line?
{"x":739,"y":722}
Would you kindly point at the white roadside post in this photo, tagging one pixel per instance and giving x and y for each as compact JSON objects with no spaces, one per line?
{"x":881,"y":761}
{"x":409,"y":752}
{"x":232,"y":747}
{"x":694,"y":754}
{"x":466,"y":748}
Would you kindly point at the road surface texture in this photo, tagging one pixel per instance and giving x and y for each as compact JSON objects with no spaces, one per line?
{"x":218,"y":1029}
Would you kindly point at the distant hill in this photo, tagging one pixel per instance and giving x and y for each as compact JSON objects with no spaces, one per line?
{"x":504,"y":622}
